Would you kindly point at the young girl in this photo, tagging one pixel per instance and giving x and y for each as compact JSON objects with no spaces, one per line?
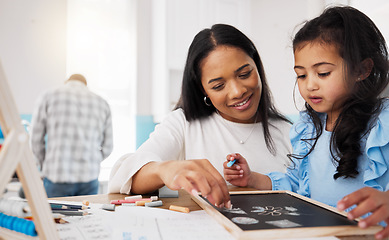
{"x":340,"y":143}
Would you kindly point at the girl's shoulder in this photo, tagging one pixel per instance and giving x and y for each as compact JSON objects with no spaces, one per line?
{"x":385,"y":109}
{"x":302,"y":130}
{"x":379,"y":127}
{"x":304,"y":125}
{"x":376,"y":147}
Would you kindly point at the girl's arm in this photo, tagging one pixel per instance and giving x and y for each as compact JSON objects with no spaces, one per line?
{"x":239,"y":174}
{"x":368,"y":200}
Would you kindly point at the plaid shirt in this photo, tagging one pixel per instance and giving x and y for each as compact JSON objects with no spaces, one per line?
{"x":78,"y":126}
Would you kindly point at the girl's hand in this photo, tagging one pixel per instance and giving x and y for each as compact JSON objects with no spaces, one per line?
{"x":196,"y":176}
{"x":239,"y":173}
{"x":368,"y":200}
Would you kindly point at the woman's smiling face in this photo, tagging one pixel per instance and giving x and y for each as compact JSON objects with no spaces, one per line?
{"x":231,"y":81}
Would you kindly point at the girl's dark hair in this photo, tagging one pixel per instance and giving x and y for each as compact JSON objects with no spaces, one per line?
{"x":192,"y":93}
{"x":357,"y":39}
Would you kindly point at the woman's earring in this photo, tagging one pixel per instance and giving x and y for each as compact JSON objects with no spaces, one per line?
{"x":205,"y":101}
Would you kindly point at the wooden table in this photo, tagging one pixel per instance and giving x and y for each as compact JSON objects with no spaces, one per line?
{"x":184,"y":200}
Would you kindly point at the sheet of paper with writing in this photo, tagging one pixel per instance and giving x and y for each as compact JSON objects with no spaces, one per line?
{"x":155,"y":223}
{"x":144,"y":223}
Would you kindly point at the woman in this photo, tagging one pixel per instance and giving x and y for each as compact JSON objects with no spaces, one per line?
{"x":225,"y":106}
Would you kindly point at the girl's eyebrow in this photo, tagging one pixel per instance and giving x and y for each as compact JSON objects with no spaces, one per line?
{"x":323,"y":63}
{"x":237,"y":70}
{"x":315,"y":65}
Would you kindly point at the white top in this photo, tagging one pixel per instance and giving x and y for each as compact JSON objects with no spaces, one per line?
{"x":71,"y":133}
{"x":208,"y":138}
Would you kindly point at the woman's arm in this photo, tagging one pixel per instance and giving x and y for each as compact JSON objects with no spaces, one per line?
{"x":152,"y":167}
{"x":192,"y":175}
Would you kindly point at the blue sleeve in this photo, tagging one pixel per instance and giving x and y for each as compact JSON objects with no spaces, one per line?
{"x":377,"y":151}
{"x":296,"y":178}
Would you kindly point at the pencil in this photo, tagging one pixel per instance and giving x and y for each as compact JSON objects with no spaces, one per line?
{"x":66,"y":206}
{"x":56,"y":216}
{"x":69,"y":213}
{"x":58,"y":206}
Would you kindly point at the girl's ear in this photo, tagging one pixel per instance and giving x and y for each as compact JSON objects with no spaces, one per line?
{"x":366,"y":67}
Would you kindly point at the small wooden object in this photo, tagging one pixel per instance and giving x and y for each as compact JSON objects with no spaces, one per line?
{"x":179,"y":209}
{"x":16,"y":154}
{"x":281,"y":214}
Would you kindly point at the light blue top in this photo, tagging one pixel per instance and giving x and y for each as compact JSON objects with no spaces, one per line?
{"x":313,"y":176}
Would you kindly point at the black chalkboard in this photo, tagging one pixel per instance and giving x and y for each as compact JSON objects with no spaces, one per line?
{"x":279,"y":210}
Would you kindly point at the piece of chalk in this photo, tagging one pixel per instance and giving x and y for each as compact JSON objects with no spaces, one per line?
{"x":142,"y":202}
{"x":179,"y":209}
{"x":133,"y":197}
{"x":230,"y":163}
{"x":108,"y":207}
{"x":154,"y":204}
{"x":165,"y":192}
{"x":85,"y":202}
{"x":154,"y":198}
{"x":118,"y":202}
{"x":128,"y":204}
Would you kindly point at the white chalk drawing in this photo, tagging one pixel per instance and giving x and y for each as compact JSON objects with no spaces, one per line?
{"x":270,"y":210}
{"x":275,"y":211}
{"x":235,"y":210}
{"x":258,"y":209}
{"x":285,"y":223}
{"x":267,"y":211}
{"x":245,"y":220}
{"x":292,"y":209}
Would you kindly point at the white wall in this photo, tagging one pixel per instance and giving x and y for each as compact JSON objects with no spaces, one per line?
{"x":32,"y":47}
{"x":273,"y":24}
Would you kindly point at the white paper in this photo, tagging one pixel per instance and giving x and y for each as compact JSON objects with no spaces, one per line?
{"x":95,"y":225}
{"x":137,"y":223}
{"x":145,"y":223}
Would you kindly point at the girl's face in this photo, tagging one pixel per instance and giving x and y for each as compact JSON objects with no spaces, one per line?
{"x":321,"y":79}
{"x":231,"y":81}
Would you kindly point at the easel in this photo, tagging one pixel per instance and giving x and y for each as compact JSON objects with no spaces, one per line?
{"x":16,"y":154}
